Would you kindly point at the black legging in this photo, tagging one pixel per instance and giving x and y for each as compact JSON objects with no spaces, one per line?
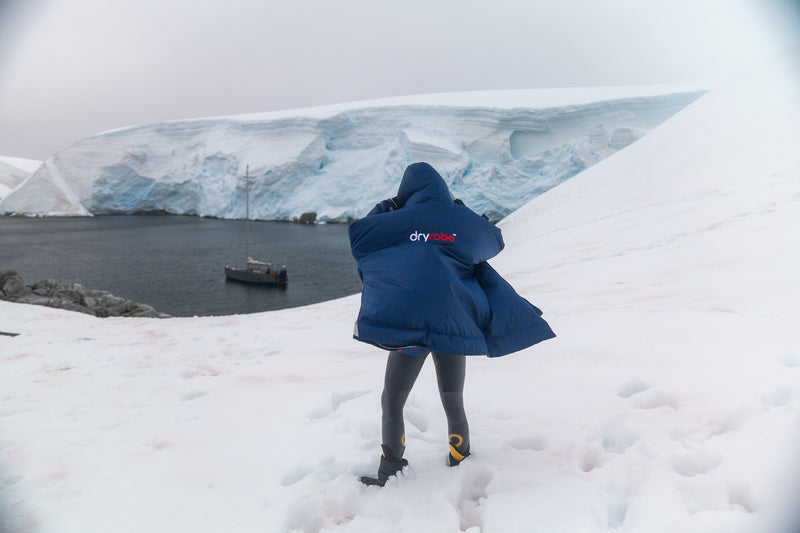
{"x":401,"y":372}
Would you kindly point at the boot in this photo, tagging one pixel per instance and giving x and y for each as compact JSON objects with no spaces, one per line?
{"x":458,"y":452}
{"x":389,"y":466}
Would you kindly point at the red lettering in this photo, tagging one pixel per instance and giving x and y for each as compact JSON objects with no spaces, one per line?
{"x":417,"y":236}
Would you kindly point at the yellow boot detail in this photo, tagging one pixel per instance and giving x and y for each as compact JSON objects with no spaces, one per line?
{"x":454,"y":453}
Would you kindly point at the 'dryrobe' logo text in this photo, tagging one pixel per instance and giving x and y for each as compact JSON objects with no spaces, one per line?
{"x":425,"y":237}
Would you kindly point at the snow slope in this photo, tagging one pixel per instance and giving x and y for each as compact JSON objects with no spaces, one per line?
{"x":13,"y":171}
{"x":497,"y":149}
{"x":669,"y":402}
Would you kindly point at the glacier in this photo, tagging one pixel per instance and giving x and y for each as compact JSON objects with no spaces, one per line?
{"x":13,"y":171}
{"x":496,"y":149}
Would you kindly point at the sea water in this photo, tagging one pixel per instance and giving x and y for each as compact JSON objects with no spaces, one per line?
{"x":176,"y":263}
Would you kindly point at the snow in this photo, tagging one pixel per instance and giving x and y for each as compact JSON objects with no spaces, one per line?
{"x":501,"y":99}
{"x":669,"y":402}
{"x":497,"y":149}
{"x":13,"y":171}
{"x":27,"y":165}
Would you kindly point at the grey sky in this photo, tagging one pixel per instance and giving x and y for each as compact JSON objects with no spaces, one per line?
{"x":72,"y":68}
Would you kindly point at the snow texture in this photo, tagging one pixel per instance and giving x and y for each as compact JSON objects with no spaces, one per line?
{"x":13,"y":171}
{"x":669,"y":402}
{"x":339,"y":161}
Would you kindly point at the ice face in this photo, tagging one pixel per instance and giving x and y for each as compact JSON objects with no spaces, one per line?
{"x":337,"y":164}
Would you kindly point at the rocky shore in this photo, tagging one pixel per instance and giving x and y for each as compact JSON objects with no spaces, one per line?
{"x":71,"y":296}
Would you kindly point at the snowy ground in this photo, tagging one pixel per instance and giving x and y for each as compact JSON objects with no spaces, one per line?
{"x":670,"y":401}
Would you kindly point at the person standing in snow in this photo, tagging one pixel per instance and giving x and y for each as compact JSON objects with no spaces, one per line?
{"x":427,"y":289}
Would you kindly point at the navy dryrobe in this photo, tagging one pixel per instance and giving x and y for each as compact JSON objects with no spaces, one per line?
{"x":427,"y":285}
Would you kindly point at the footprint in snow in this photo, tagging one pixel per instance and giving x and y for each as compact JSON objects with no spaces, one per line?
{"x":618,"y":438}
{"x":644,"y":397}
{"x":616,"y":511}
{"x":654,"y":399}
{"x":475,"y":480}
{"x":691,"y":464}
{"x":778,"y":397}
{"x":323,"y":509}
{"x":295,"y":475}
{"x":631,"y":387}
{"x":337,"y":399}
{"x":193,"y":395}
{"x":590,"y":459}
{"x":739,"y":495}
{"x":724,"y":423}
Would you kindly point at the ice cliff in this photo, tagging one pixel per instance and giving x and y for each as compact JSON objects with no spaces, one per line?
{"x":496,"y":150}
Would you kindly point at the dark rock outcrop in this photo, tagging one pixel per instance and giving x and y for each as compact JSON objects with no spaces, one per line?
{"x":71,"y":296}
{"x":307,"y":218}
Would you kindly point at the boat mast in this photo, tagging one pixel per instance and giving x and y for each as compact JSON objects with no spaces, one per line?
{"x":247,"y":214}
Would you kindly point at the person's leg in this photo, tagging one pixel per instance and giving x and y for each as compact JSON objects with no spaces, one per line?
{"x":401,"y":373}
{"x":450,"y":375}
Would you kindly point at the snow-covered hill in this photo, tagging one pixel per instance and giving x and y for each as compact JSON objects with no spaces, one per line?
{"x":13,"y":171}
{"x":669,"y":402}
{"x":496,"y":149}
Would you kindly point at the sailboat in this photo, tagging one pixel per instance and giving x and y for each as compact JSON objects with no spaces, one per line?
{"x":254,"y":271}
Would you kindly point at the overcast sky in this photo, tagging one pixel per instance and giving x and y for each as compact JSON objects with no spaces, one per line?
{"x":73,"y":68}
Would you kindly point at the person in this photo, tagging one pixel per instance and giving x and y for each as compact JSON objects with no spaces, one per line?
{"x":428,"y":290}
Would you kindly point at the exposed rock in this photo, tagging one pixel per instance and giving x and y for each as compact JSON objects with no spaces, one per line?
{"x":11,"y":284}
{"x":71,"y":296}
{"x":307,"y":218}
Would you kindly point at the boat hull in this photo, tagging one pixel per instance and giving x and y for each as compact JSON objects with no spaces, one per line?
{"x":276,"y":277}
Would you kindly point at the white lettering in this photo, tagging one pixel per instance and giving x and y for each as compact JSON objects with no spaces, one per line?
{"x":425,"y":237}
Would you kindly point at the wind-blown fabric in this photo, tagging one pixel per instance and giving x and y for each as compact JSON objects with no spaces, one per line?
{"x":427,"y":285}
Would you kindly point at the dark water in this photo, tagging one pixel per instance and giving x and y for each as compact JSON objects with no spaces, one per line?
{"x":176,"y":263}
